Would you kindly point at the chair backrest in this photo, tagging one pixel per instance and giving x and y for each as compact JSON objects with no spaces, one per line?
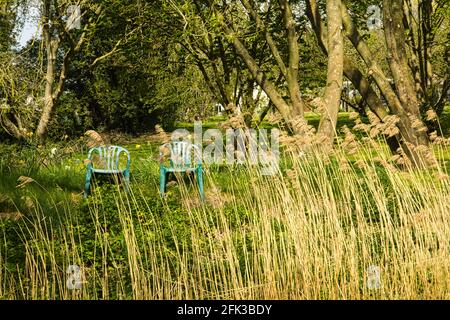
{"x":109,"y":157}
{"x":183,"y":154}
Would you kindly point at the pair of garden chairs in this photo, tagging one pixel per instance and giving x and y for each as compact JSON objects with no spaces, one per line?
{"x":184,"y":158}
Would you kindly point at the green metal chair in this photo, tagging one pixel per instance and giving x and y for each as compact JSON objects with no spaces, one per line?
{"x":109,"y":163}
{"x":184,"y":157}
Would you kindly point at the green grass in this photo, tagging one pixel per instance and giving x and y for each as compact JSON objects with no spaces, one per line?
{"x":309,"y":233}
{"x":445,"y":121}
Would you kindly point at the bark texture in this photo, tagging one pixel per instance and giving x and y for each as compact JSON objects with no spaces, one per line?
{"x":335,"y":45}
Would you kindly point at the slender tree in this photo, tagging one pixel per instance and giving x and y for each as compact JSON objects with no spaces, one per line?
{"x":54,"y":32}
{"x":331,"y":99}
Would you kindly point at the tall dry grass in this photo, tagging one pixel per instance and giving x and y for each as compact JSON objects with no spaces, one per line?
{"x":312,"y":232}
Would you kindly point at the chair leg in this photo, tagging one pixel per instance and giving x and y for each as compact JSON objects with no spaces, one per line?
{"x":200,"y":182}
{"x":162,"y":181}
{"x":126,"y":176}
{"x":87,"y":183}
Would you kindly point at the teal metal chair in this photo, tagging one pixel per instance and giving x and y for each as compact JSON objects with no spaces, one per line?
{"x":108,"y":163}
{"x":184,"y":157}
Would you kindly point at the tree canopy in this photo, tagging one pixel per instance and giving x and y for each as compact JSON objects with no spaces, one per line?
{"x":133,"y":64}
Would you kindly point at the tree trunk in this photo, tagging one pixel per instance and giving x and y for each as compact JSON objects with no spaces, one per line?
{"x":259,"y":76}
{"x":52,"y":48}
{"x":261,"y":26}
{"x":411,"y":137}
{"x":360,"y":82}
{"x":397,"y":57}
{"x":327,"y":125}
{"x":53,"y":31}
{"x":294,"y":59}
{"x":290,"y":72}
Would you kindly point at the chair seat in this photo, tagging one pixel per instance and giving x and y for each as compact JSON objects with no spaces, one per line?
{"x":185,"y":157}
{"x":171,"y":169}
{"x":107,"y":171}
{"x":109,"y":157}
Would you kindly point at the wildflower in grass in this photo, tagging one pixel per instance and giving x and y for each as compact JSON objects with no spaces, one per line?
{"x":53,"y":152}
{"x":138,"y":146}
